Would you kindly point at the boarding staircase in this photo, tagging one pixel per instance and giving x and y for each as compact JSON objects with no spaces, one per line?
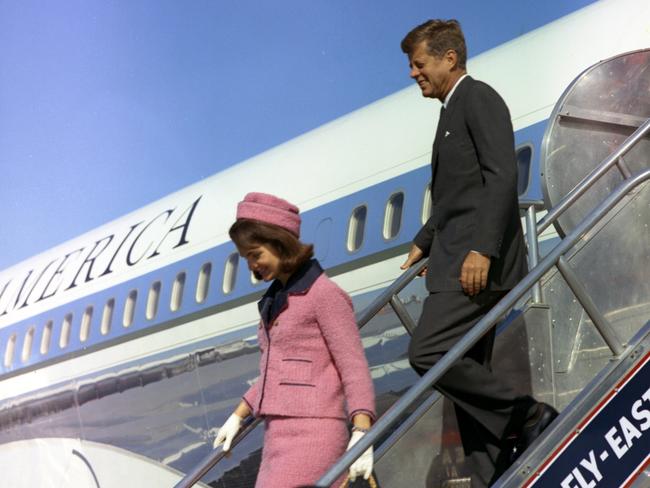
{"x":576,"y":332}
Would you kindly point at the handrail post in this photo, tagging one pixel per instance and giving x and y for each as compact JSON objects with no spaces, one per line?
{"x":533,"y":249}
{"x":402,"y":314}
{"x":598,"y":319}
{"x":398,"y":285}
{"x":623,"y":167}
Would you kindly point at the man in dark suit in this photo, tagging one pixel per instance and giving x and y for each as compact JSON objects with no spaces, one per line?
{"x":475,"y":246}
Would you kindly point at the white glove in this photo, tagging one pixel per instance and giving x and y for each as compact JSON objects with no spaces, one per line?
{"x":228,"y":431}
{"x":363,"y":465}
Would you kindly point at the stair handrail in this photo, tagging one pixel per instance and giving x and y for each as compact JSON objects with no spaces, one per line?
{"x":387,"y":420}
{"x":386,"y":297}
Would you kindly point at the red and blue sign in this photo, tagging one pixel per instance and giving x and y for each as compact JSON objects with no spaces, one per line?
{"x":611,"y":447}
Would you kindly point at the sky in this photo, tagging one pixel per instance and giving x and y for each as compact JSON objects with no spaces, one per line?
{"x":108,"y":105}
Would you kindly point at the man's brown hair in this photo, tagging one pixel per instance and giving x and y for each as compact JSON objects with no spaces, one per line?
{"x":440,"y":36}
{"x":247,"y":233}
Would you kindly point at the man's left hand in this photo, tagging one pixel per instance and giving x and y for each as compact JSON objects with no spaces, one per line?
{"x":474,"y":273}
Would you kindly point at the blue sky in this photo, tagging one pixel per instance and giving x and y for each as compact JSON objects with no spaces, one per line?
{"x":106,"y":106}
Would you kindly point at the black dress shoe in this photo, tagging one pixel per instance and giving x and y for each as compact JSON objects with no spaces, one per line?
{"x":534,"y":426}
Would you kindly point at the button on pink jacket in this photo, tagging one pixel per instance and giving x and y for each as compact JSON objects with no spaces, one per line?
{"x":312,"y":361}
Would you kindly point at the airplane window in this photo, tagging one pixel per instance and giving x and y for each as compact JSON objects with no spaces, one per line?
{"x":393,"y":215}
{"x":45,"y":339}
{"x":27,"y":345}
{"x":322,"y":238}
{"x":524,"y":157}
{"x":177,"y":292}
{"x":9,"y":351}
{"x":84,"y":332}
{"x":254,"y":280}
{"x":230,"y":273}
{"x":64,"y":339}
{"x":203,"y":282}
{"x":152,"y":300}
{"x":107,"y":316}
{"x":426,"y":204}
{"x":356,"y":228}
{"x":129,"y":308}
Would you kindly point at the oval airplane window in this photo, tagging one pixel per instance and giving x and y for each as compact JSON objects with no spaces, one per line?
{"x":322,"y":239}
{"x":64,"y":338}
{"x":254,"y":280}
{"x":426,"y":204}
{"x":9,"y":350}
{"x":129,"y":309}
{"x":230,"y":273}
{"x":203,"y":283}
{"x":46,"y":337}
{"x":27,"y":345}
{"x":393,"y":215}
{"x":177,"y":292}
{"x":107,"y":316}
{"x":524,"y":158}
{"x":86,"y":319}
{"x":356,"y":228}
{"x":152,"y":301}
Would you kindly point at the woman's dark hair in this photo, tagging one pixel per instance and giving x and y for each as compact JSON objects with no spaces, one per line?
{"x":246,"y":233}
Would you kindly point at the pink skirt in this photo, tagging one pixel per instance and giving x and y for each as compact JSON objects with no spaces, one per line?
{"x":298,"y":451}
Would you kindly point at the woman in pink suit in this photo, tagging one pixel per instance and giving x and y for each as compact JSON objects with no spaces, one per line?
{"x":314,"y":375}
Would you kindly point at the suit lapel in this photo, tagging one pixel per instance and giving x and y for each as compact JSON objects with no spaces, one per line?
{"x":445,"y":117}
{"x":437,"y":138}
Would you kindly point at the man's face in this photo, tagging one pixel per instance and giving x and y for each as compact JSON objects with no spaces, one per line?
{"x":432,"y":74}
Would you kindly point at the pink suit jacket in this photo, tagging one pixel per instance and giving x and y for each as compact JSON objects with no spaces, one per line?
{"x":312,"y":361}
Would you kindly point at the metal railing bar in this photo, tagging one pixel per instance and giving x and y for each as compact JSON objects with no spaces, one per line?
{"x":622,"y":165}
{"x":402,"y":314}
{"x":476,"y":332}
{"x":398,"y":285}
{"x":412,"y":419}
{"x":589,"y":180}
{"x":216,"y":455}
{"x":599,"y":320}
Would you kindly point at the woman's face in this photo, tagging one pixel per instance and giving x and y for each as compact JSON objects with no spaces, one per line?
{"x":262,"y":261}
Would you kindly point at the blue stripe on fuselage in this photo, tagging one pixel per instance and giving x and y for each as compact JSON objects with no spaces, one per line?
{"x":330,"y":246}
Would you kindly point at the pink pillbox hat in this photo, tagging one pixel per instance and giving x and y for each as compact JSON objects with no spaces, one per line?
{"x":270,"y":210}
